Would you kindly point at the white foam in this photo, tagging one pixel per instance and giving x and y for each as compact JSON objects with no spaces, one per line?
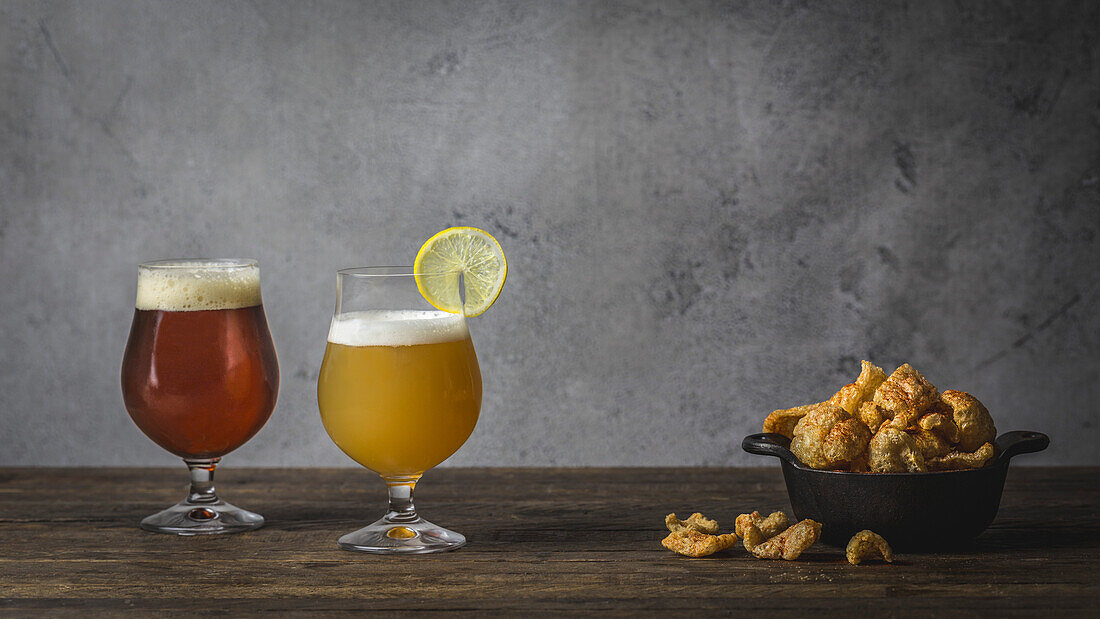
{"x":193,"y":286}
{"x":396,"y":328}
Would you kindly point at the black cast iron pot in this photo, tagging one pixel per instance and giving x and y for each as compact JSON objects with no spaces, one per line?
{"x":914,"y":511}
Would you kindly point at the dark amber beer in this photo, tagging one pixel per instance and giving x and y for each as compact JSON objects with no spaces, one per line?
{"x":200,"y":383}
{"x":200,"y":376}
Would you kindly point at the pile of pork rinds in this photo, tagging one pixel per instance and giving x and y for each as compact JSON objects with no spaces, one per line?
{"x":889,"y":424}
{"x":765,"y":538}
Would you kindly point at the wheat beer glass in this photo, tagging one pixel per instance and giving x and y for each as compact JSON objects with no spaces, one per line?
{"x":200,"y":377}
{"x":399,"y":392}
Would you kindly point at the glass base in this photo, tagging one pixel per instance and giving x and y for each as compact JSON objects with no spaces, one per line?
{"x":202,"y":519}
{"x":414,"y":537}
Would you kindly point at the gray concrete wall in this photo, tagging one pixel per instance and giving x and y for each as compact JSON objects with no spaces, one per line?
{"x":710,"y":209}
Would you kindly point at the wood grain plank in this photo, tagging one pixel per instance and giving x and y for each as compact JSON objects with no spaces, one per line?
{"x":550,"y":540}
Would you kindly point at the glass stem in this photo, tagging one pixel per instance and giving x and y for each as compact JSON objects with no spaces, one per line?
{"x":202,"y":481}
{"x":401,"y":488}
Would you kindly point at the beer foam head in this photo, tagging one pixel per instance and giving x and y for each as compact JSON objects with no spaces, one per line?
{"x":193,"y":285}
{"x":396,"y":328}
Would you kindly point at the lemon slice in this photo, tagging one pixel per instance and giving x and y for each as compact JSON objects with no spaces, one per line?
{"x":470,"y":251}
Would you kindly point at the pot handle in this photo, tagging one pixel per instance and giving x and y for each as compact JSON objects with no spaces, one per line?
{"x":769,"y":444}
{"x":1019,"y":442}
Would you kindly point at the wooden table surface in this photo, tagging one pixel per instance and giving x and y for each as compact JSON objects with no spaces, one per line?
{"x":551,"y":540}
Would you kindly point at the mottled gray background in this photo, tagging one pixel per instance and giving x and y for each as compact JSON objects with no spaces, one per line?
{"x":710,"y":209}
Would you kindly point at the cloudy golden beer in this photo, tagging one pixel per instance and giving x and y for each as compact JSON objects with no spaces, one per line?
{"x":399,"y":391}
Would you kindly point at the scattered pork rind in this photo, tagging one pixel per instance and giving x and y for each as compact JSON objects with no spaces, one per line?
{"x":754,"y":529}
{"x":789,"y":544}
{"x":783,"y":421}
{"x":774,"y":524}
{"x":894,"y":451}
{"x":828,"y":437}
{"x":695,"y":544}
{"x":906,"y":395}
{"x":868,"y":545}
{"x":973,"y":420}
{"x":852,"y":395}
{"x":751,"y":536}
{"x":958,"y":460}
{"x":695,"y":522}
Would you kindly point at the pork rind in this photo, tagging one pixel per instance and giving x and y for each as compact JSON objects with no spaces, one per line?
{"x":695,"y":544}
{"x":782,"y":421}
{"x":774,"y":524}
{"x":930,"y":444}
{"x":870,"y":378}
{"x":973,"y":420}
{"x":862,"y":463}
{"x":751,"y":535}
{"x":958,"y":460}
{"x":828,"y":437}
{"x":754,"y":529}
{"x":868,"y":545}
{"x":872,"y":415}
{"x":789,"y":544}
{"x":847,"y":398}
{"x":846,"y":442}
{"x":894,"y":451}
{"x":906,"y":395}
{"x":810,"y":433}
{"x":695,"y":522}
{"x":940,"y":421}
{"x":852,"y":395}
{"x":846,"y":432}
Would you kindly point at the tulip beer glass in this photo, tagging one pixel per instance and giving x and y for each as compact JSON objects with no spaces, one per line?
{"x":200,"y":377}
{"x":399,"y":392}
